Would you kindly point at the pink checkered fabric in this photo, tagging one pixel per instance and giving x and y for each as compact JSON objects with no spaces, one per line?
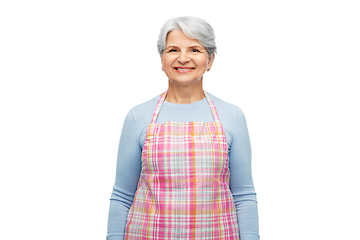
{"x":183,"y":191}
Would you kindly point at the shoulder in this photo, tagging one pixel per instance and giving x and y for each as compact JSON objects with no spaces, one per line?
{"x":227,"y":111}
{"x":144,"y":110}
{"x":139,"y":117}
{"x":231,"y":117}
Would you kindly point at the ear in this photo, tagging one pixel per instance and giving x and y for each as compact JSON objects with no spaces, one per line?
{"x":162,"y":62}
{"x":211,"y":60}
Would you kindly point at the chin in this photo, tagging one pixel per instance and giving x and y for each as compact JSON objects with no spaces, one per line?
{"x":185,"y":81}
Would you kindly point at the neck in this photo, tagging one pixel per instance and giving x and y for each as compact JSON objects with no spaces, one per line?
{"x":185,"y":94}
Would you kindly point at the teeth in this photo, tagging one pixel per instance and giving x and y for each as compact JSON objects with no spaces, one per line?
{"x":183,"y":69}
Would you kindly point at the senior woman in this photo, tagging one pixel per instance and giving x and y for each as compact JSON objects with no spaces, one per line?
{"x":184,"y":160}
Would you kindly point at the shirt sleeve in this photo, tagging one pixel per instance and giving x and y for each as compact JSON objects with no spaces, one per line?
{"x":127,"y":176}
{"x":241,"y":182}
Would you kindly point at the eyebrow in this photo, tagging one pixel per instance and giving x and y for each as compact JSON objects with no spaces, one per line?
{"x":171,"y":46}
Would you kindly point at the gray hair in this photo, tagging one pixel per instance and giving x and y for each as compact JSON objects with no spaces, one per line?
{"x":192,"y":27}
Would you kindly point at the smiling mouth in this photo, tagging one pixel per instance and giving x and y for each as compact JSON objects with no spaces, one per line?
{"x":182,"y":70}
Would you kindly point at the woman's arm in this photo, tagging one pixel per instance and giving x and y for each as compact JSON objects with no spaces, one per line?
{"x":241,"y":183}
{"x":127,"y":176}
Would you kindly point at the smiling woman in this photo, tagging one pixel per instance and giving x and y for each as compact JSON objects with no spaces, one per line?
{"x":185,"y":61}
{"x":184,"y":159}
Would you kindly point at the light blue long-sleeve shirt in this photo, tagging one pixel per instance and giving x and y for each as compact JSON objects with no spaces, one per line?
{"x":129,"y":159}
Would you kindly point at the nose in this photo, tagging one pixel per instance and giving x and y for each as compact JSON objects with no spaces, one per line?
{"x":183,"y":57}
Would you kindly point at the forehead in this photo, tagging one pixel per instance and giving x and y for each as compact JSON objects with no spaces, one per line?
{"x":178,"y":38}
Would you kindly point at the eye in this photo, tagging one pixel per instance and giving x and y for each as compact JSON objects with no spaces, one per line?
{"x":172,"y":50}
{"x":195,"y":50}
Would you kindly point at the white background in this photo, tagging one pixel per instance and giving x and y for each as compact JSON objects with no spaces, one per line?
{"x":70,"y":71}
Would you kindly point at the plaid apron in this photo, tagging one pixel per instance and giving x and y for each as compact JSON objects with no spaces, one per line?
{"x":183,"y":190}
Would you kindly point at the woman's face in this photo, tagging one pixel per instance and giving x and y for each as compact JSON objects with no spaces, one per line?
{"x":184,"y":60}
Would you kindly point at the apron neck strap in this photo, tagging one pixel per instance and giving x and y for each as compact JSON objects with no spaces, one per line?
{"x":158,"y":106}
{"x":162,"y":99}
{"x":212,"y":108}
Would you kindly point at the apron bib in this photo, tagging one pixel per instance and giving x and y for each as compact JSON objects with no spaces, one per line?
{"x":183,"y":190}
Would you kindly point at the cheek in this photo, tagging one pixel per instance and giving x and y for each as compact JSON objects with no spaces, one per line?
{"x":203,"y":63}
{"x":201,"y":60}
{"x":167,"y":62}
